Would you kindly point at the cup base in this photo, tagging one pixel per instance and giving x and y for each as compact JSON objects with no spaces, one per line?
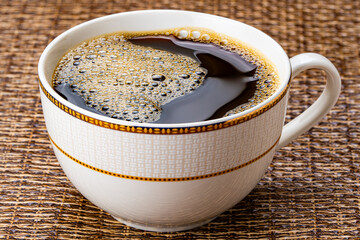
{"x":159,"y":228}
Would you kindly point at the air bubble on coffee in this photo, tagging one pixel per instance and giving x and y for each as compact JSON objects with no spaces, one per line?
{"x":172,"y":76}
{"x":195,"y":35}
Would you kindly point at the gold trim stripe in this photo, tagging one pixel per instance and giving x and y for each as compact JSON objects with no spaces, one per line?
{"x":150,"y":130}
{"x":151,"y":179}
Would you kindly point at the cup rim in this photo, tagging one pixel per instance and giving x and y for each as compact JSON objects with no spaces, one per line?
{"x":162,"y":128}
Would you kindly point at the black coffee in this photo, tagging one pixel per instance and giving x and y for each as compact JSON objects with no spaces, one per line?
{"x":163,"y":79}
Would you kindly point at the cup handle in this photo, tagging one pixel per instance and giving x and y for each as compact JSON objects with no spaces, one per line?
{"x":323,"y":104}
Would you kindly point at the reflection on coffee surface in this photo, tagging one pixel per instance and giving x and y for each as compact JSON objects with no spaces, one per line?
{"x":173,"y":76}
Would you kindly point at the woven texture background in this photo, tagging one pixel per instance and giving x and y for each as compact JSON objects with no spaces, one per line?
{"x":311,"y":190}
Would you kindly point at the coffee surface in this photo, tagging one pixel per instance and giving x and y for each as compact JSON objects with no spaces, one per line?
{"x":161,"y":78}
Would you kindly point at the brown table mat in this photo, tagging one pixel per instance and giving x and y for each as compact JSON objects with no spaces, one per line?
{"x":311,"y":190}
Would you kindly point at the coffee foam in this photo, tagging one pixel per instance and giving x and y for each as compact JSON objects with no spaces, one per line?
{"x":114,"y":76}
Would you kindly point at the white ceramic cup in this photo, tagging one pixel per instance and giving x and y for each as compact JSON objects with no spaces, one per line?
{"x":172,"y":177}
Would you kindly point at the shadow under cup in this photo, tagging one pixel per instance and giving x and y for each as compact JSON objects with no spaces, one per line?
{"x":163,"y":177}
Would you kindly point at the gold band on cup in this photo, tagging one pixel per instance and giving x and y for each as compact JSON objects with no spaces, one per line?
{"x":151,"y":179}
{"x":150,"y":130}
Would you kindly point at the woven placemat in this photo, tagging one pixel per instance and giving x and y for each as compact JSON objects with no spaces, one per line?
{"x":311,"y":190}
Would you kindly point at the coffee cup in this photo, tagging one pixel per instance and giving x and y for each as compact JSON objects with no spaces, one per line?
{"x":173,"y":177}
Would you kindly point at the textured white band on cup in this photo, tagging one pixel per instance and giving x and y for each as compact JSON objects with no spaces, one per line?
{"x":152,"y":179}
